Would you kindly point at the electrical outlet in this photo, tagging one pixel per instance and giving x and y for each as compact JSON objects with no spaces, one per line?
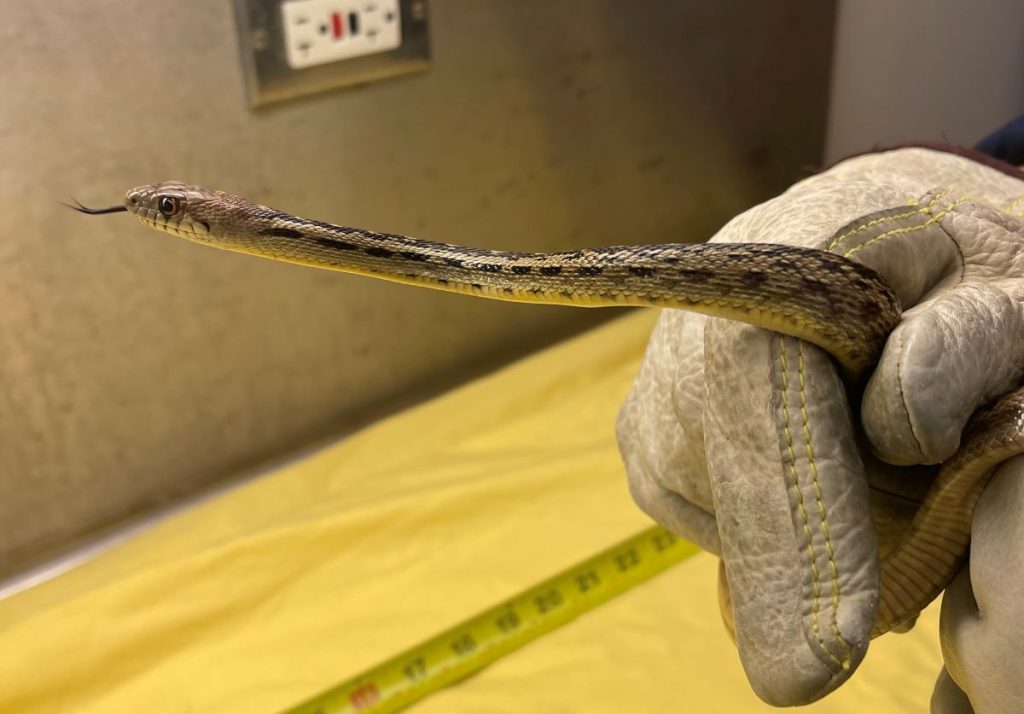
{"x":321,"y":31}
{"x":294,"y":48}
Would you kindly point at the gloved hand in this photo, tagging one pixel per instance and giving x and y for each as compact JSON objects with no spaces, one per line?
{"x":743,"y":440}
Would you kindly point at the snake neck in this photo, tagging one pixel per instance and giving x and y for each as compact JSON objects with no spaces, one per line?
{"x":838,"y":304}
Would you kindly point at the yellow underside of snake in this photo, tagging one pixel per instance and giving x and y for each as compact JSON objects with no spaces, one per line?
{"x":828,"y":300}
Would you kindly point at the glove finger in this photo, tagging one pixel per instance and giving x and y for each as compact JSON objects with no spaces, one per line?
{"x":661,"y":435}
{"x":907,"y":245}
{"x":947,"y":358}
{"x":954,"y":266}
{"x":725,"y":602}
{"x":674,"y":512}
{"x":793,"y":512}
{"x":982,"y":610}
{"x":948,"y":698}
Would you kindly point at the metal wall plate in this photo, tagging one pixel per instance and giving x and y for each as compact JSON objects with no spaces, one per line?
{"x":270,"y":79}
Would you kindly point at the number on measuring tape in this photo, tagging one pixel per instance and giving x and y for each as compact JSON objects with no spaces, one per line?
{"x":627,"y":559}
{"x":416,"y":669}
{"x":507,"y":621}
{"x":547,"y":601}
{"x":587,"y":580}
{"x":364,"y":696}
{"x":463,"y":645}
{"x":663,"y":540}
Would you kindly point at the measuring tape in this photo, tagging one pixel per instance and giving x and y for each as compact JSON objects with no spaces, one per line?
{"x":475,"y":643}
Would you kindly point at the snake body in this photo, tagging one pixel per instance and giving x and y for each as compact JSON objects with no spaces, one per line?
{"x":831,"y":301}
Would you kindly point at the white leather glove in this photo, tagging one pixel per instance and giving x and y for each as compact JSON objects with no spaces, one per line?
{"x":982,"y":610}
{"x":743,"y":441}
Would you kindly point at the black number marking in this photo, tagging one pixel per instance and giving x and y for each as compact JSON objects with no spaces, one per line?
{"x":463,"y":645}
{"x":508,"y":621}
{"x":627,"y":559}
{"x":416,"y":669}
{"x":547,"y":601}
{"x":663,"y":541}
{"x":587,"y":580}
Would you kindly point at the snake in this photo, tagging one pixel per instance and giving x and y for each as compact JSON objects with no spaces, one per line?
{"x":834,"y":302}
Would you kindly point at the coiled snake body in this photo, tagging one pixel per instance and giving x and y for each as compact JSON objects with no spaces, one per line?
{"x":831,"y":301}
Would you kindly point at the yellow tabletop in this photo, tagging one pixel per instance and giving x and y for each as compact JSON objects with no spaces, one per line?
{"x":266,"y":595}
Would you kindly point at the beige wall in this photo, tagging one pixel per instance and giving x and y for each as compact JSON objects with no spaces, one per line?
{"x":931,"y":70}
{"x":135,"y":369}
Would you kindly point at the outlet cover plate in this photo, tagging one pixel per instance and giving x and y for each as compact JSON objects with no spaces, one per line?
{"x":270,"y":78}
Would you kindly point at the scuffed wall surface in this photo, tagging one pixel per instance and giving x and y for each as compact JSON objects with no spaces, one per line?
{"x":135,"y":368}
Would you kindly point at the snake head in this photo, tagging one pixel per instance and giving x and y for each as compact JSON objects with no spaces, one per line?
{"x":173,"y":207}
{"x":214,"y":218}
{"x":177,"y":208}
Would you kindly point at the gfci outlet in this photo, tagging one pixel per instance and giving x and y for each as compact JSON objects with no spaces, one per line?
{"x":321,"y":31}
{"x":295,"y":48}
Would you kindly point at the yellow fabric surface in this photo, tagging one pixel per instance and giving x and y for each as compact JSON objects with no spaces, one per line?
{"x":266,"y":595}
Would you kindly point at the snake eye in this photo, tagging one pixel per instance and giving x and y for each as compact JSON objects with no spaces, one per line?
{"x":168,"y":205}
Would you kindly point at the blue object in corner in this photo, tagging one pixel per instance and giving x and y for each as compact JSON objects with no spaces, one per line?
{"x":1006,"y":143}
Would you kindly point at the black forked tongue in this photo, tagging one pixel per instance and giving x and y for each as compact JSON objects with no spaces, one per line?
{"x":94,"y":211}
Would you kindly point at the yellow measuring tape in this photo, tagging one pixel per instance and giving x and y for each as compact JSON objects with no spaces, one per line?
{"x":475,"y":643}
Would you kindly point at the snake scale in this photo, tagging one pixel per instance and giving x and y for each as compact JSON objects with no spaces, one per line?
{"x":838,"y":304}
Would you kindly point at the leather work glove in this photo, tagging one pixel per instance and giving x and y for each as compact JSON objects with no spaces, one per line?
{"x":744,"y":442}
{"x":982,"y":611}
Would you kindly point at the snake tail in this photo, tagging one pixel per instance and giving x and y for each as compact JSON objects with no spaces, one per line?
{"x":935,"y":546}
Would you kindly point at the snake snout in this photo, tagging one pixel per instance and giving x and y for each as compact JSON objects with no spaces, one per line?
{"x":172,"y":207}
{"x":132,"y":199}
